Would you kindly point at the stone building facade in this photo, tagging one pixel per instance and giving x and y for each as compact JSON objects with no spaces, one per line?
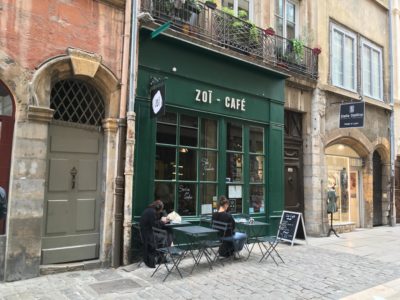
{"x":356,"y":161}
{"x":60,"y":74}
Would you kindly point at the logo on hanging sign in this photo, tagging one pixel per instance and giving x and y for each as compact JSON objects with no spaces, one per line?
{"x":157,"y":95}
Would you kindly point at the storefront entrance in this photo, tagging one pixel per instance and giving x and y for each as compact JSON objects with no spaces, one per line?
{"x":222,"y":133}
{"x":344,"y":168}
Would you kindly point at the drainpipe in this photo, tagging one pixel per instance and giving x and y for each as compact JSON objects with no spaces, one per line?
{"x":392,"y":216}
{"x":130,"y":135}
{"x":119,"y":179}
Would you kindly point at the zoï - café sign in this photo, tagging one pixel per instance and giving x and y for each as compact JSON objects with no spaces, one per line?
{"x":229,"y":102}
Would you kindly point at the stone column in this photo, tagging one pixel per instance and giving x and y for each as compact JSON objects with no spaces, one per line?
{"x":314,"y":168}
{"x":110,"y":127}
{"x":129,"y":156}
{"x":28,"y":182}
{"x":368,"y":187}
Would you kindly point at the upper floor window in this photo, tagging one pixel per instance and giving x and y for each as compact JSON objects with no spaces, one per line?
{"x":371,"y":70}
{"x":242,"y":8}
{"x":343,"y":62}
{"x":286,"y":18}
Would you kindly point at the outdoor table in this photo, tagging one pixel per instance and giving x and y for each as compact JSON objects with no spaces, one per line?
{"x":254,"y":231}
{"x":177,"y":224}
{"x":196,"y":238}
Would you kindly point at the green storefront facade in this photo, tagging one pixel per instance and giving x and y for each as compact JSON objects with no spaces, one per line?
{"x":221,"y":134}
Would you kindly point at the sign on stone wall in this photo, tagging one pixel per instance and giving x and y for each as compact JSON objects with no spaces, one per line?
{"x":352,"y":115}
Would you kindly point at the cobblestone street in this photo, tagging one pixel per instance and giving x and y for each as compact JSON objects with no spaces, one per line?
{"x":360,"y":265}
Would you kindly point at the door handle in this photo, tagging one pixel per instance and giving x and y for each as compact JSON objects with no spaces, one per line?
{"x":73,"y":173}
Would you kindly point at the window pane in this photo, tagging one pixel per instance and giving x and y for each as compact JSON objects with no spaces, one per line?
{"x":256,"y":140}
{"x":279,"y":25}
{"x":206,"y":193}
{"x":234,"y":167}
{"x":256,"y":198}
{"x":208,"y":137}
{"x":166,"y":193}
{"x":290,"y":12}
{"x":6,"y":107}
{"x":187,"y":164}
{"x":189,"y":121}
{"x":243,"y":6}
{"x":337,"y":59}
{"x":168,"y":117}
{"x":228,"y":3}
{"x":256,"y":168}
{"x":188,"y":136}
{"x":235,"y":197}
{"x":187,"y":199}
{"x":188,"y":130}
{"x":165,"y":163}
{"x":349,"y":63}
{"x":376,"y":88}
{"x":235,"y":137}
{"x":366,"y":70}
{"x":279,"y":7}
{"x":166,"y":134}
{"x":290,"y":30}
{"x":208,"y":166}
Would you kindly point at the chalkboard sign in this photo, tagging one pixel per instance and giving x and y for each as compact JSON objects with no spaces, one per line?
{"x":291,"y":227}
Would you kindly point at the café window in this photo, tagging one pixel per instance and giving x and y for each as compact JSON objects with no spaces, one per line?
{"x":186,"y":162}
{"x":191,"y":157}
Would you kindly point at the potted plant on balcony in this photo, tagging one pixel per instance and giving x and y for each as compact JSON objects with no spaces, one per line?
{"x":316,"y":50}
{"x":269,"y":31}
{"x":212,"y":4}
{"x":185,"y":9}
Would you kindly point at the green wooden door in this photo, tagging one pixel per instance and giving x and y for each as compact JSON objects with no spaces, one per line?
{"x":72,"y":204}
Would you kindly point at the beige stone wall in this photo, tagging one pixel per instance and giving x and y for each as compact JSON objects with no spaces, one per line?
{"x":351,"y":14}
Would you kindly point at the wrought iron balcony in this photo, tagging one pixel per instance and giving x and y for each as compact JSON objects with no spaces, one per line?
{"x":222,"y":29}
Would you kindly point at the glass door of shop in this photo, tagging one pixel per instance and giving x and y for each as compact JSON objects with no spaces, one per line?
{"x":345,"y":180}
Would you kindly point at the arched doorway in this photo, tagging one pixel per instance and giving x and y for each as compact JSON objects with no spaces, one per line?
{"x":377,"y":188}
{"x":7,"y":116}
{"x":71,"y":230}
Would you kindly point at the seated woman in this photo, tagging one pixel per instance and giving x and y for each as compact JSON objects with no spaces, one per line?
{"x":151,"y":217}
{"x":239,"y":238}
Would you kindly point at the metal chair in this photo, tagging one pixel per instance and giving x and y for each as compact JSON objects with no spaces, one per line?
{"x":223,"y":228}
{"x":166,"y":254}
{"x":137,"y":236}
{"x":270,"y":243}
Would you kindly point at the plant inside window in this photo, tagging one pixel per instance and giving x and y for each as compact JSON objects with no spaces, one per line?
{"x":298,"y":49}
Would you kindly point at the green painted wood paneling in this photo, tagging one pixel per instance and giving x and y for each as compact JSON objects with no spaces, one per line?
{"x":204,"y":70}
{"x":275,"y":174}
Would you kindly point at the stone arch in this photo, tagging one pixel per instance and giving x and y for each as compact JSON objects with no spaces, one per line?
{"x":85,"y":66}
{"x":76,"y":63}
{"x":382,"y":145}
{"x":352,"y":138}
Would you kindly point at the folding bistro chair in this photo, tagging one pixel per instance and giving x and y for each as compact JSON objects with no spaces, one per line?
{"x":166,"y":254}
{"x":270,"y":243}
{"x":137,"y":237}
{"x":223,"y":227}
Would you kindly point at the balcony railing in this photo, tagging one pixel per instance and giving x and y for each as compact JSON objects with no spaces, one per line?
{"x":225,"y":30}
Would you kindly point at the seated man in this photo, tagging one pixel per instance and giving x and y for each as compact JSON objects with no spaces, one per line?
{"x":228,"y":248}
